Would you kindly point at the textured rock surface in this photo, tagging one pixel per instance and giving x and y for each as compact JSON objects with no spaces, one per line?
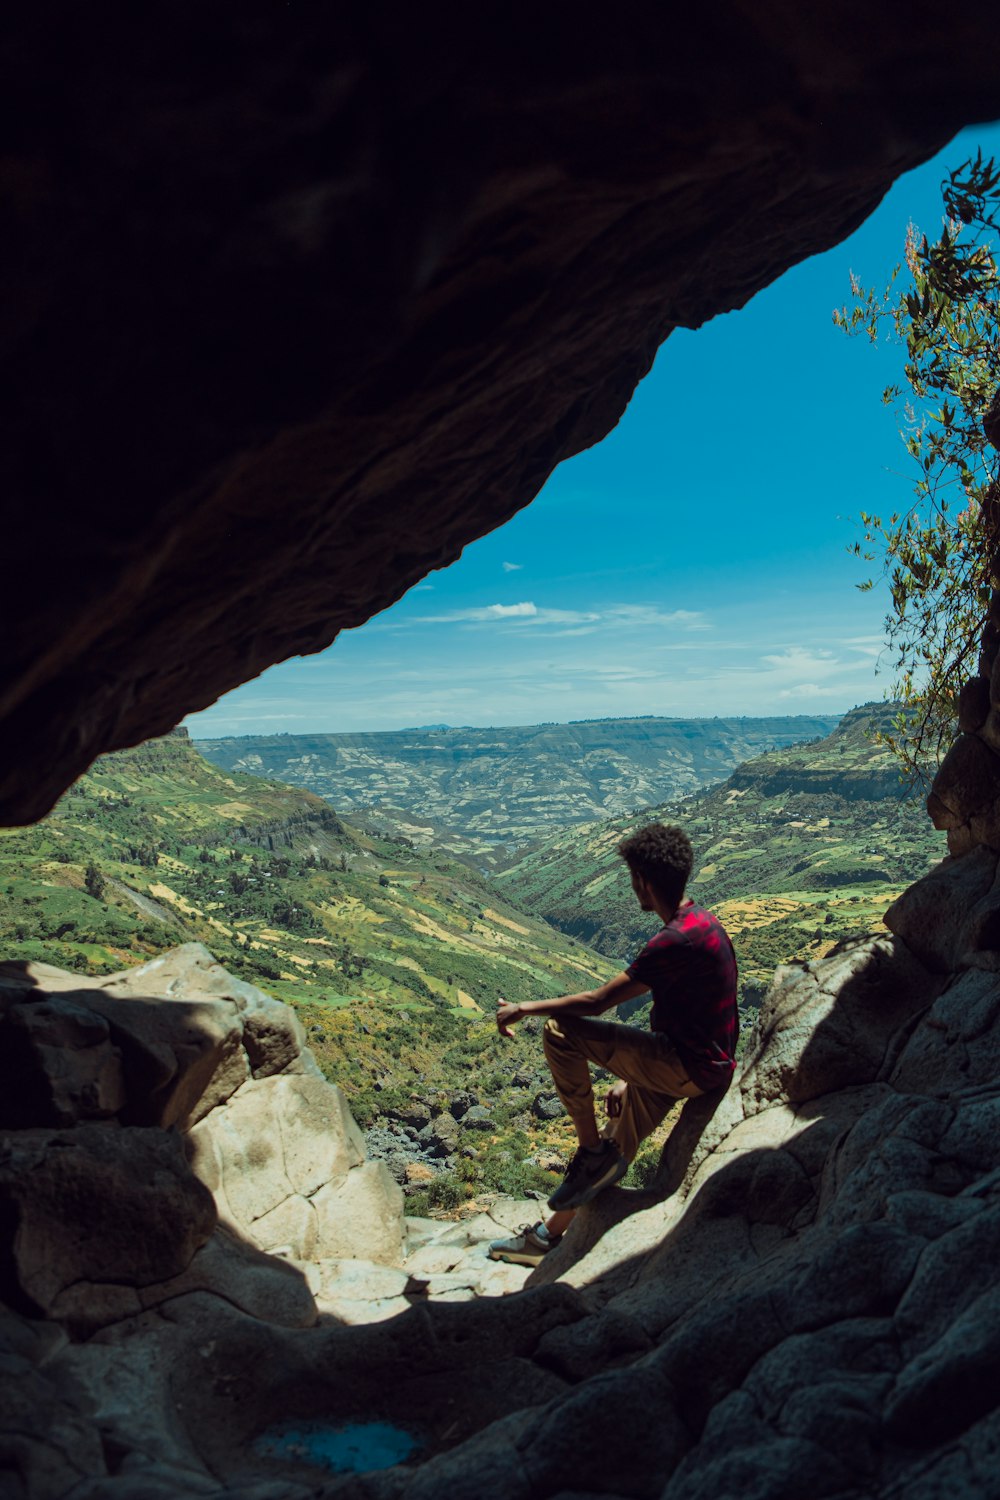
{"x":298,"y":303}
{"x":806,"y":1301}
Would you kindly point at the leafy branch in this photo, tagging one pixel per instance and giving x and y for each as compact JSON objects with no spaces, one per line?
{"x":940,"y":557}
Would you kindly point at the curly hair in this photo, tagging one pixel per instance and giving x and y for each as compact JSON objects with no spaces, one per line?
{"x":661,"y":854}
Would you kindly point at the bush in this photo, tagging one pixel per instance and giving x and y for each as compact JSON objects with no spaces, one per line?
{"x":643,"y":1170}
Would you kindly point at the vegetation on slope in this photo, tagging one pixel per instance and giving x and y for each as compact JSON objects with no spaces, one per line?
{"x":392,"y":958}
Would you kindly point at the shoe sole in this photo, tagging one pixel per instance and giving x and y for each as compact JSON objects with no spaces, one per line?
{"x":611,"y":1176}
{"x":512,"y":1258}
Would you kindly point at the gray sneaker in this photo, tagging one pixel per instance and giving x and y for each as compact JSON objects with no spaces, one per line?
{"x":588,"y":1174}
{"x":530,"y":1245}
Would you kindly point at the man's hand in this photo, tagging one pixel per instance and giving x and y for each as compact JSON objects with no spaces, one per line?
{"x":615,"y":1101}
{"x":507,"y":1016}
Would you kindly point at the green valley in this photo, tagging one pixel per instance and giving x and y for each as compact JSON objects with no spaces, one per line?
{"x":394,"y":952}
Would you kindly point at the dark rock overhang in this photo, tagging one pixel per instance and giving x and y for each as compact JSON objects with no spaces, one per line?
{"x":304,"y":299}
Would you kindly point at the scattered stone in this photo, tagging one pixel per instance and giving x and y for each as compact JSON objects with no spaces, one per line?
{"x":478,"y":1118}
{"x":547,"y":1107}
{"x":440,"y":1137}
{"x":414,"y":1113}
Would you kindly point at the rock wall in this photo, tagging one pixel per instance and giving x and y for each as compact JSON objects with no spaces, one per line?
{"x":301,"y":300}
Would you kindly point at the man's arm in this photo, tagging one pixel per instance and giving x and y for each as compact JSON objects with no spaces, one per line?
{"x":589,"y":1003}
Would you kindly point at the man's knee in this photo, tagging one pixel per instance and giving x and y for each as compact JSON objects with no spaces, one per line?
{"x":557,"y":1035}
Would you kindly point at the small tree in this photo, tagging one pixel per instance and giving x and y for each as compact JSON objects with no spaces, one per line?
{"x":93,"y":882}
{"x":940,"y":556}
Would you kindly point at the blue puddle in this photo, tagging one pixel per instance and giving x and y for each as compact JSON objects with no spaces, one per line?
{"x":355,"y":1448}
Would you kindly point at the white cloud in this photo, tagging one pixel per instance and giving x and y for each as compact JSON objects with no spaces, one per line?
{"x":512,"y":567}
{"x":509,"y":611}
{"x":525,"y":613}
{"x":866,"y":645}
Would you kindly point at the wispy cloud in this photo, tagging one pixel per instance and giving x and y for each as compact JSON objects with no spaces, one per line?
{"x":810,"y":690}
{"x":572,"y":621}
{"x":651,"y":614}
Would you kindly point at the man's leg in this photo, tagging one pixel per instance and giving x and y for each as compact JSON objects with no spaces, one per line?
{"x":646,"y":1060}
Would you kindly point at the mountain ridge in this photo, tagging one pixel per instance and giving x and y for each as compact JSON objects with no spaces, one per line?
{"x":506,"y":785}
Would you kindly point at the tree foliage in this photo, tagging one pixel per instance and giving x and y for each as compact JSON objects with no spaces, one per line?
{"x":940,"y":556}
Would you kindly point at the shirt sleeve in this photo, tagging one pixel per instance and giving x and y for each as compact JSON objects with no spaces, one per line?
{"x":650,"y":962}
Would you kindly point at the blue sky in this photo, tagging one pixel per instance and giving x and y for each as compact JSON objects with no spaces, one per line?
{"x":693,"y":563}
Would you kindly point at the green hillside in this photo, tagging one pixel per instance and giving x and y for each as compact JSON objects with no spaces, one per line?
{"x":393,"y":958}
{"x":473,"y":790}
{"x":799,"y":848}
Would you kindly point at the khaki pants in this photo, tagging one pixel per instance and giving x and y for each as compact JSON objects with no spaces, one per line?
{"x":646,"y":1060}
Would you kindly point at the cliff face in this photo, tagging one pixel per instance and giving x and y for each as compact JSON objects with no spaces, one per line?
{"x":300,"y":302}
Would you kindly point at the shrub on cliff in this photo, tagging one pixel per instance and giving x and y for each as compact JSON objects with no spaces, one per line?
{"x":940,"y":556}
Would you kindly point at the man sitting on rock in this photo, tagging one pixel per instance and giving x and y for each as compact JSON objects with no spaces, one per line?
{"x":689,"y":1050}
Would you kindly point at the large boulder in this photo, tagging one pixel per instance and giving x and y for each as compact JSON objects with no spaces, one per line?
{"x":269,"y":1147}
{"x":286,"y":1163}
{"x":161,"y":1044}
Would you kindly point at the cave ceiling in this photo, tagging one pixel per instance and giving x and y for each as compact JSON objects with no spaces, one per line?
{"x":302,"y":300}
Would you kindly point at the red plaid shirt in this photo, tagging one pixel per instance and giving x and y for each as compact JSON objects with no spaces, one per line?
{"x":691,"y":969}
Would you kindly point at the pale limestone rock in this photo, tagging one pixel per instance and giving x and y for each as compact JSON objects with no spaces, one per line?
{"x":360,"y":1281}
{"x":49,"y":1441}
{"x":362,"y":1216}
{"x":811,"y":1307}
{"x":957,"y":1043}
{"x":277,"y":1155}
{"x":170,"y":1051}
{"x":433,"y":1259}
{"x":355,"y":1314}
{"x":272,"y":1034}
{"x":967,"y":783}
{"x":825,"y":1025}
{"x":497,"y":1279}
{"x":291,"y":1228}
{"x":258,"y":1284}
